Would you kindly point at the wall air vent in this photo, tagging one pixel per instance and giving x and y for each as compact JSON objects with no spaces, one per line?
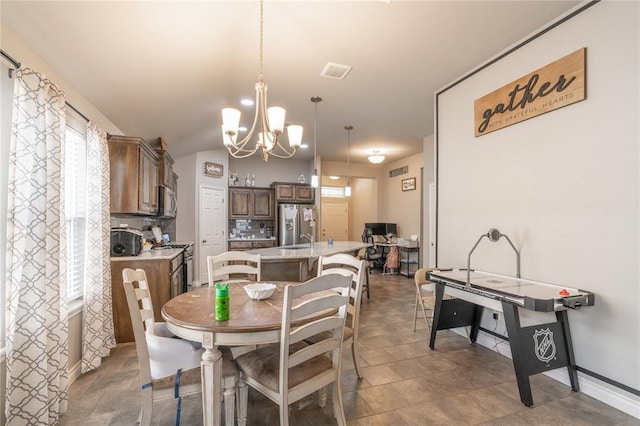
{"x":335,"y":71}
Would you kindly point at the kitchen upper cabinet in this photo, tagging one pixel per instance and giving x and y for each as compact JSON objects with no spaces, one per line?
{"x":240,"y":203}
{"x":251,"y":203}
{"x":263,"y":204}
{"x":166,"y":174}
{"x":294,"y":192}
{"x":134,"y":176}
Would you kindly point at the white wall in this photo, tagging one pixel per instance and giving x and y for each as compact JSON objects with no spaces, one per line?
{"x":564,"y":185}
{"x":398,"y":206}
{"x":274,"y":170}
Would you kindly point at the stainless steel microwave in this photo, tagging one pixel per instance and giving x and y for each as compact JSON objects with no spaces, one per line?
{"x":168,"y":203}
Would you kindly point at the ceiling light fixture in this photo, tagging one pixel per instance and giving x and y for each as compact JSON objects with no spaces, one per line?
{"x":271,"y":122}
{"x":347,"y":189}
{"x":314,"y":175}
{"x":376,"y":158}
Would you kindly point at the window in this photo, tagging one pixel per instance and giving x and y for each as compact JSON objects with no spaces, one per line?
{"x":75,"y":196}
{"x":332,"y":191}
{"x":6,"y":91}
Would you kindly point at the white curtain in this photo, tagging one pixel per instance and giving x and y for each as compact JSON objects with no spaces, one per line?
{"x":97,"y":329}
{"x":36,"y":329}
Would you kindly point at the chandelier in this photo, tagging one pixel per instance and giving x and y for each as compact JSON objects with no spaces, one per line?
{"x":269,"y":120}
{"x":376,"y":157}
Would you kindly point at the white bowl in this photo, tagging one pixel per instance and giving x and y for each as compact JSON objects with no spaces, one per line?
{"x":260,"y":291}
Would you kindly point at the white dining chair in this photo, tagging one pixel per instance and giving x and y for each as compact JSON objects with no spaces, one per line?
{"x":289,"y":371}
{"x":234,"y":266}
{"x":162,"y":357}
{"x":350,"y":266}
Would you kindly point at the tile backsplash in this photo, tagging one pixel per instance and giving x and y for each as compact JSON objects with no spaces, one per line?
{"x":245,"y":228}
{"x":144,"y":224}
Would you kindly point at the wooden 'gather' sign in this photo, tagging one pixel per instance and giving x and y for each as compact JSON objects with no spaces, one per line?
{"x":553,"y":86}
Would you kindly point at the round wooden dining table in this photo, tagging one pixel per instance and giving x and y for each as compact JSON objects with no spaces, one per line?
{"x":191,"y":316}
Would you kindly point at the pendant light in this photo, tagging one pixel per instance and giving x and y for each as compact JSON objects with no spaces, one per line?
{"x":347,"y":189}
{"x":269,"y":122}
{"x":314,"y":177}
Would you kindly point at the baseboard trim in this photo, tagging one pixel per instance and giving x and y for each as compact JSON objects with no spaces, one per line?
{"x":75,"y":371}
{"x":603,"y":392}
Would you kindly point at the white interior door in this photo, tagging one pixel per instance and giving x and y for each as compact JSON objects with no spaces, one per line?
{"x":335,"y":220}
{"x":212,"y":227}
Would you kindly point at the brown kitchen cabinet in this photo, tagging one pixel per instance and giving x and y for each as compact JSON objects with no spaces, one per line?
{"x":263,"y":204}
{"x":165,"y":171}
{"x":165,"y":282}
{"x":251,"y":203}
{"x":293,"y":192}
{"x":249,"y":245}
{"x":134,"y":176}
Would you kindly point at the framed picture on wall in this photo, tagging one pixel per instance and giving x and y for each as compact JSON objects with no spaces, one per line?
{"x":213,"y":169}
{"x":409,"y":184}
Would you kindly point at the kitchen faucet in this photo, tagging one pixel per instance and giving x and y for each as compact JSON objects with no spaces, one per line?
{"x":308,"y":237}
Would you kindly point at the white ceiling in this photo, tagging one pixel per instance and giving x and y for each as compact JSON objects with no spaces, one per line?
{"x":168,"y":68}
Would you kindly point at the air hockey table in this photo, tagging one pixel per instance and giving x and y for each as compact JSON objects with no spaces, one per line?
{"x":534,"y":349}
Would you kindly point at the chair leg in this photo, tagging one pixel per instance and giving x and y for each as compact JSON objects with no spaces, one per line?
{"x":242,"y":392}
{"x":367,"y":283}
{"x":284,"y":414}
{"x":426,"y":318}
{"x":415,"y":314}
{"x":338,"y":409}
{"x":322,"y":397}
{"x":147,"y":405}
{"x":356,"y":355}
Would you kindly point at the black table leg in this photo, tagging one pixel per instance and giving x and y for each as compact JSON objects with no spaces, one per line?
{"x":563,"y":319}
{"x":475,"y":327}
{"x":512,"y":323}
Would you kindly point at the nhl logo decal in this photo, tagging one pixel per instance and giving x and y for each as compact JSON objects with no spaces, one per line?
{"x":545,"y":346}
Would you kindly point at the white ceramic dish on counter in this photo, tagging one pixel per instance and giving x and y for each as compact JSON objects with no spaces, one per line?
{"x":260,"y":291}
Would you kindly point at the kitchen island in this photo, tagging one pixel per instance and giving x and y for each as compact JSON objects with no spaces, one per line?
{"x":298,"y":262}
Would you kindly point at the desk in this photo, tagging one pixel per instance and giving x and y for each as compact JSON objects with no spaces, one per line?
{"x":404,"y":256}
{"x":251,"y":322}
{"x":534,"y":349}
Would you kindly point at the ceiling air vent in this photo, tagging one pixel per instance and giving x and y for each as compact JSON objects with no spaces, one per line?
{"x":336,"y":71}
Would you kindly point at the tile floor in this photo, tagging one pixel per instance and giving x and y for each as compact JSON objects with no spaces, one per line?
{"x":405,"y":383}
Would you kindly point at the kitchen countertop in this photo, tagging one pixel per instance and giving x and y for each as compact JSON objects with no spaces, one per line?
{"x":163,"y":254}
{"x":303,"y":251}
{"x":252,"y":239}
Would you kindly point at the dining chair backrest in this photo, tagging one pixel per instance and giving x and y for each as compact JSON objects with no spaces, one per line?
{"x":316,"y":300}
{"x":142,"y":296}
{"x":233,"y":266}
{"x":350,"y":266}
{"x":160,"y":355}
{"x":141,"y":313}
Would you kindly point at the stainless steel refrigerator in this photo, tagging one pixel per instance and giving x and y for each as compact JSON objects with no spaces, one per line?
{"x":293,"y":220}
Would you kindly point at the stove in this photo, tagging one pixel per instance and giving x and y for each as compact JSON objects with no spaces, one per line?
{"x":187,"y":263}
